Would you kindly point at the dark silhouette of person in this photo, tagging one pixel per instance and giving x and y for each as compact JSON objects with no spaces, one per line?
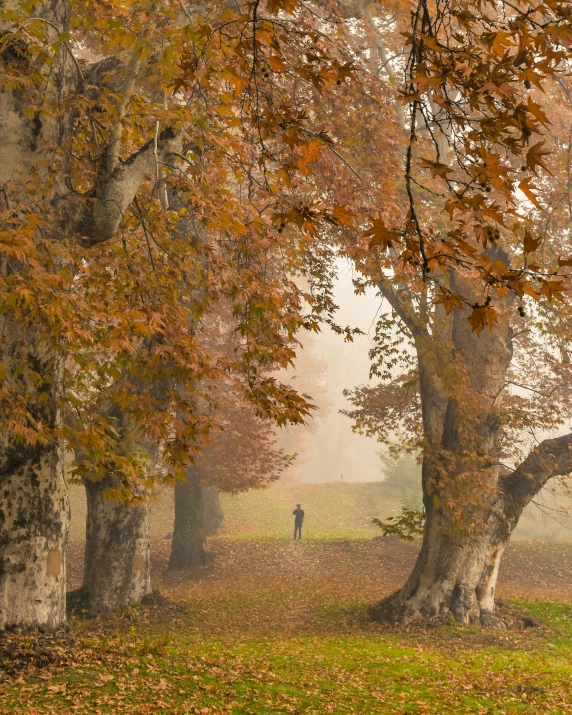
{"x":298,"y":521}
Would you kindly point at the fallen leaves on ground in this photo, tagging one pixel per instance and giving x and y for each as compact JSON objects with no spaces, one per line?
{"x":283,"y":627}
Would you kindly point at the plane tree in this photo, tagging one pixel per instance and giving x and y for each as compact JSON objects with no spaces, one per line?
{"x":118,"y":123}
{"x":472,"y":350}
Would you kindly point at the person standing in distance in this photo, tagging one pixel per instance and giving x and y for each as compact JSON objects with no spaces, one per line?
{"x":298,"y":521}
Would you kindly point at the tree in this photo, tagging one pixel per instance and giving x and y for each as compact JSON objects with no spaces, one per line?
{"x":117,"y":568}
{"x":242,"y":456}
{"x":212,"y":509}
{"x":106,"y":111}
{"x":125,"y":121}
{"x":464,"y":330}
{"x":452,"y":400}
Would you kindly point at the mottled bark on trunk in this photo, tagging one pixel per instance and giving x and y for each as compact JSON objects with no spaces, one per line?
{"x":456,"y":570}
{"x":34,"y":508}
{"x":36,"y":123}
{"x":34,"y":524}
{"x":189,"y":549}
{"x":117,"y":551}
{"x":455,"y":574}
{"x":212,"y":510}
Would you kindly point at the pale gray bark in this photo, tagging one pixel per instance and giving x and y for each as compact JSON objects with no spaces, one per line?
{"x":33,"y":500}
{"x":34,"y":509}
{"x":34,"y":525}
{"x":117,"y":550}
{"x":456,"y":571}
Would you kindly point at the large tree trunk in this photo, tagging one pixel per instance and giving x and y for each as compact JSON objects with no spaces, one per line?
{"x":117,"y":551}
{"x":456,"y":573}
{"x":34,"y":524}
{"x":36,"y":121}
{"x":471,"y":508}
{"x":189,"y":549}
{"x":34,"y":509}
{"x":212,"y":510}
{"x":467,"y":527}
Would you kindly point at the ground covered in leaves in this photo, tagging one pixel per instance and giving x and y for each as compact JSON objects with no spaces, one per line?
{"x":281,"y":627}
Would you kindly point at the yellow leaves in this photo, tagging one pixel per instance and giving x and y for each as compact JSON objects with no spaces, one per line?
{"x":276,"y":62}
{"x":535,"y":157}
{"x":500,"y":41}
{"x":481,"y":317}
{"x":283,"y":175}
{"x":431,"y":42}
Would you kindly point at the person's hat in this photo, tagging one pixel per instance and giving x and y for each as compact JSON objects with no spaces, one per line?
{"x":297,"y":504}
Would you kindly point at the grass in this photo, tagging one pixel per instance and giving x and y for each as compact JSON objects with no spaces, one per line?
{"x":449,"y":670}
{"x":285,"y":628}
{"x":334,"y":510}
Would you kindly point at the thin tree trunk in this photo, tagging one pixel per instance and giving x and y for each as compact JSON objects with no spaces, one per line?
{"x":188,"y":549}
{"x":212,"y":510}
{"x":117,"y":551}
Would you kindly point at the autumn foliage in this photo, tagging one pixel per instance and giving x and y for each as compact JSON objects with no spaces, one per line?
{"x":168,"y":163}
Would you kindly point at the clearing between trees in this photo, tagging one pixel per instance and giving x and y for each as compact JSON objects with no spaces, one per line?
{"x":283,"y":627}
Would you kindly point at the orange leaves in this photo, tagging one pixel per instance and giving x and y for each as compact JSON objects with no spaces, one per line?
{"x":481,"y":317}
{"x":473,"y":91}
{"x":343,"y":216}
{"x":450,"y":301}
{"x":287,"y":6}
{"x":381,"y":236}
{"x":436,"y":168}
{"x":529,"y":190}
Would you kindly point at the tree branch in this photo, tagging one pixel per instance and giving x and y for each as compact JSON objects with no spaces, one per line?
{"x":551,"y":458}
{"x":96,"y":217}
{"x":404,"y":310}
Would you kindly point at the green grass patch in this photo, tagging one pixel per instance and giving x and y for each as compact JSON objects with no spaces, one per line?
{"x":364,"y":673}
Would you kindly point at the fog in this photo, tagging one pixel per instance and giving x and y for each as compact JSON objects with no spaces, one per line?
{"x":328,"y":449}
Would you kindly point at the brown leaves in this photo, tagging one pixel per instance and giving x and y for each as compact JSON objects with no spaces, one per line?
{"x":381,"y":236}
{"x":288,"y":6}
{"x":535,"y":157}
{"x":436,"y":168}
{"x":481,"y":317}
{"x":530,"y":244}
{"x":529,"y":190}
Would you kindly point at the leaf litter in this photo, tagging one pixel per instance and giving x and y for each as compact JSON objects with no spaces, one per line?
{"x":280,"y":627}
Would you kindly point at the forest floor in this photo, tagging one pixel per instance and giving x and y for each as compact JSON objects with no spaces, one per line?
{"x":283,"y":627}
